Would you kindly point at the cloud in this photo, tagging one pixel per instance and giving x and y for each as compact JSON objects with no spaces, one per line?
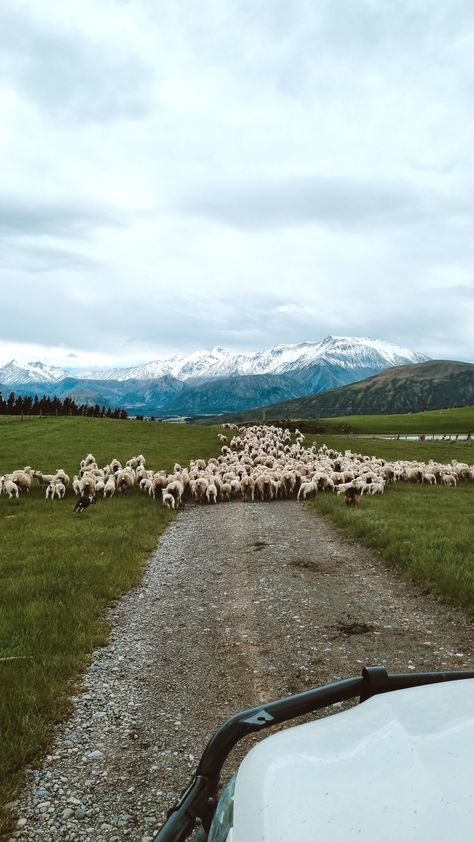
{"x":177,"y":176}
{"x":20,"y":217}
{"x":69,"y":64}
{"x":305,"y":200}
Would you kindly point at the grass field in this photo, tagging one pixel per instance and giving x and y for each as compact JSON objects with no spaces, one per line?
{"x":427,"y":532}
{"x":58,"y":572}
{"x":459,"y":420}
{"x":440,"y":451}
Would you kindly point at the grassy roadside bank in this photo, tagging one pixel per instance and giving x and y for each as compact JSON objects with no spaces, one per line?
{"x":59,"y":572}
{"x":427,"y":532}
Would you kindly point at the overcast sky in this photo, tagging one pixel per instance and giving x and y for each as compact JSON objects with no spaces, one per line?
{"x":179,"y":174}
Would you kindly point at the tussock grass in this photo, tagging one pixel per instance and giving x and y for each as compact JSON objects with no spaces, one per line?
{"x":58,"y":572}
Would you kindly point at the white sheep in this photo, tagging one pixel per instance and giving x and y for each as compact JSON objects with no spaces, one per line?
{"x":176,"y":488}
{"x":87,"y":485}
{"x":125,"y":480}
{"x":109,"y":487}
{"x":307,"y":488}
{"x":22,"y":480}
{"x":168,"y":500}
{"x":55,"y":489}
{"x":211,"y":493}
{"x":7,"y":486}
{"x":147,"y":486}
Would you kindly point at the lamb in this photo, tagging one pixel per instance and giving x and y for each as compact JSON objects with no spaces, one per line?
{"x":375,"y":488}
{"x":76,"y":485}
{"x":235,"y":487}
{"x":344,"y":487}
{"x":99,"y":485}
{"x":55,"y":489}
{"x":7,"y":486}
{"x":305,"y":489}
{"x":448,"y":479}
{"x":176,"y":488}
{"x":168,"y":500}
{"x":147,"y":485}
{"x":109,"y":487}
{"x":211,"y":493}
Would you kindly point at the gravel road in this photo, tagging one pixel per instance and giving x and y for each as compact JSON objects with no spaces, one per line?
{"x":239,"y":604}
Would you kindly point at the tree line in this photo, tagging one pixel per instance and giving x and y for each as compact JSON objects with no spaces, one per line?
{"x":29,"y":405}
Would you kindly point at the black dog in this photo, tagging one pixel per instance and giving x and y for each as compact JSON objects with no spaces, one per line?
{"x":82,"y":504}
{"x":352,"y":496}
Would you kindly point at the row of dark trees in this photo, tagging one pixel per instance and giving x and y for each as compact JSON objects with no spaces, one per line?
{"x":28,"y":405}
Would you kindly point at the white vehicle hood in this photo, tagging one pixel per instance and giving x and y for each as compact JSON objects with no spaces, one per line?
{"x":397,"y":768}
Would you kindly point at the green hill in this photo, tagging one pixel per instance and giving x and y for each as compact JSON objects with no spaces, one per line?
{"x":437,"y":384}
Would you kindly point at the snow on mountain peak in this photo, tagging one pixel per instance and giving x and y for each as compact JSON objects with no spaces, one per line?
{"x":32,"y":372}
{"x":345,"y":352}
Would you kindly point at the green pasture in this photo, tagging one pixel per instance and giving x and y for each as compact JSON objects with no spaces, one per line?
{"x":425,"y":531}
{"x":460,"y":420}
{"x":58,"y":572}
{"x":439,"y":451}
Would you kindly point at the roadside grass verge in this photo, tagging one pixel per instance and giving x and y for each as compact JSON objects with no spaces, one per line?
{"x":59,"y":572}
{"x":427,"y":532}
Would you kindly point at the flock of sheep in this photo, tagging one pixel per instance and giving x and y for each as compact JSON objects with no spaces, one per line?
{"x":258,"y":463}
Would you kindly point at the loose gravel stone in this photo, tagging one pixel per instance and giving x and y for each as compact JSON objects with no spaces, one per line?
{"x":216,"y":627}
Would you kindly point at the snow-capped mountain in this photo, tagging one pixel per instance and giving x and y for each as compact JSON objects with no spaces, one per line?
{"x":37,"y":372}
{"x":214,"y":381}
{"x":345,"y":352}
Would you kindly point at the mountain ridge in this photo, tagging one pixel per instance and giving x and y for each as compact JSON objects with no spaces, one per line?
{"x":433,"y":384}
{"x":349,"y":352}
{"x":219,"y":382}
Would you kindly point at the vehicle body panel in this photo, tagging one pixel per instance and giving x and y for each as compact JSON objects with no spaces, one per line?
{"x":400,"y":766}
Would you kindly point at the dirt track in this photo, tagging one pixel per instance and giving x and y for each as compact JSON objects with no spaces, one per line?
{"x":240,"y":603}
